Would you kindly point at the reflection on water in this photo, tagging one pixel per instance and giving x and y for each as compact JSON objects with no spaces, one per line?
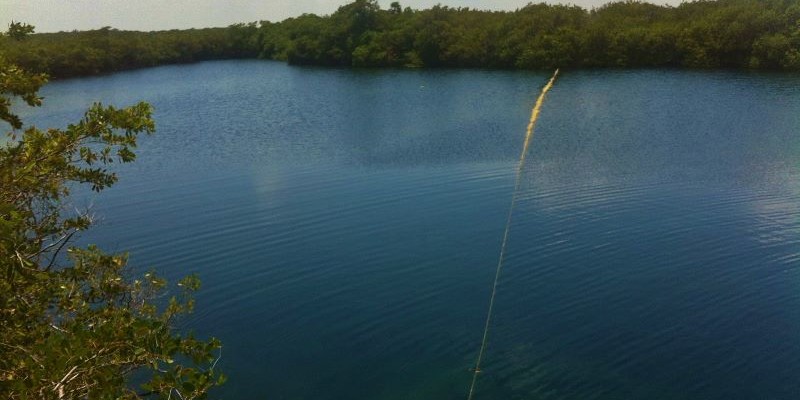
{"x":346,"y":226}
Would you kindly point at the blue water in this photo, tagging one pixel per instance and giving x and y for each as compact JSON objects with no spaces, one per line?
{"x":346,"y":225}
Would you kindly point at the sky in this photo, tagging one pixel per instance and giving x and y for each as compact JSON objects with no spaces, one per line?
{"x":148,"y":15}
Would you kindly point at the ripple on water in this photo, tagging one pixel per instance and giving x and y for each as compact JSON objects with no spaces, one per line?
{"x":346,"y":226}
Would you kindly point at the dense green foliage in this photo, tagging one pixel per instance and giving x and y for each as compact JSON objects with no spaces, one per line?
{"x":78,"y":324}
{"x":758,"y":34}
{"x":69,"y":54}
{"x":705,"y":34}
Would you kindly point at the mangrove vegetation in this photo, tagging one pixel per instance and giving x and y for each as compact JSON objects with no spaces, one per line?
{"x":741,"y":34}
{"x":76,"y":322}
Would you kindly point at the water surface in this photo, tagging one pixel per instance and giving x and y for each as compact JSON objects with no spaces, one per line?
{"x":346,"y":226}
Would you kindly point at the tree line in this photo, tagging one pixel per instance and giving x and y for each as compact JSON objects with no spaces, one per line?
{"x":105,"y":50}
{"x":754,"y":34}
{"x":762,"y":34}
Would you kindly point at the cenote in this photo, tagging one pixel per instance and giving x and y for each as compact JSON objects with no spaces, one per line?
{"x":346,"y":225}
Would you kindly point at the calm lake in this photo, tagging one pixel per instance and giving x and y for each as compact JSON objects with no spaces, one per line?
{"x":346,"y":225}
